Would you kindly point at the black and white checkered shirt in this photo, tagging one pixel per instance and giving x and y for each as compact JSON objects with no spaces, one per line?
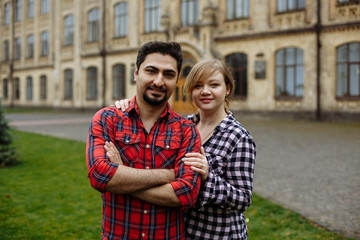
{"x":226,"y":193}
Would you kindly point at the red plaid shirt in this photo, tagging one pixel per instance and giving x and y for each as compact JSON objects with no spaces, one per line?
{"x":126,"y":217}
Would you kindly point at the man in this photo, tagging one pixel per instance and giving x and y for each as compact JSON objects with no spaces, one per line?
{"x":144,"y":195}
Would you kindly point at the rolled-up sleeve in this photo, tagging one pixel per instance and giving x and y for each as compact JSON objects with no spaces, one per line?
{"x":100,"y":169}
{"x":187,"y":182}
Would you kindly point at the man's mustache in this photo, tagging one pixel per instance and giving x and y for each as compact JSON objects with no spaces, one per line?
{"x":160,"y":89}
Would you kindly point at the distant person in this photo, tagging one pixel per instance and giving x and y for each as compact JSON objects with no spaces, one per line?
{"x":144,"y":193}
{"x":227,"y":183}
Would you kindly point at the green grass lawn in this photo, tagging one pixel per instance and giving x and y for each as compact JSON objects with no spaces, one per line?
{"x":48,"y":196}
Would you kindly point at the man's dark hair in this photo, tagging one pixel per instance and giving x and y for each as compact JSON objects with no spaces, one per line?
{"x":166,"y":48}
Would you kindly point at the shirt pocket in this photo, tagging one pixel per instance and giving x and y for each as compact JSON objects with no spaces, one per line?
{"x":166,"y":152}
{"x":128,"y":146}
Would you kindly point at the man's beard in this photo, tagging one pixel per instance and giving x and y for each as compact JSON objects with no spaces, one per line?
{"x":153,"y":101}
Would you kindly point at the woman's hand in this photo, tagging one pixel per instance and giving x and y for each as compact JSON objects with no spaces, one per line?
{"x":113,"y":153}
{"x":198,"y":163}
{"x":122,"y":104}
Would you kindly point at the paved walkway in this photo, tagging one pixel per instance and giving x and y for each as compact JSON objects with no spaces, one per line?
{"x":310,"y":167}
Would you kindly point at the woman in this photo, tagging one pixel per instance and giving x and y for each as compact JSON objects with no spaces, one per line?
{"x":230,"y":151}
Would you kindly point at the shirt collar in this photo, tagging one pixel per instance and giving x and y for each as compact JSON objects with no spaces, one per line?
{"x":223,"y":125}
{"x":134,"y":109}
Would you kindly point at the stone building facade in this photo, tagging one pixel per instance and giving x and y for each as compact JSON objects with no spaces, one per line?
{"x":295,"y":56}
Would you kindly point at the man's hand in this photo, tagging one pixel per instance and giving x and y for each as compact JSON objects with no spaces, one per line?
{"x":112,"y":153}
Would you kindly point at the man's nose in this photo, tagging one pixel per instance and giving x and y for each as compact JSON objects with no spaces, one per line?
{"x":159,"y":80}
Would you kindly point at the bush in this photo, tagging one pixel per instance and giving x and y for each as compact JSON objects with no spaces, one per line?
{"x":8,"y":154}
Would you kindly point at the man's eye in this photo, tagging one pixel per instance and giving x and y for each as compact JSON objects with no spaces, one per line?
{"x":169,"y":75}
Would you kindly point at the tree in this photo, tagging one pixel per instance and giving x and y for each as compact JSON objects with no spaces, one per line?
{"x":8,"y":154}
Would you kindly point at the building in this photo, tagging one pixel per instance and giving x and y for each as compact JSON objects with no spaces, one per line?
{"x":296,"y":56}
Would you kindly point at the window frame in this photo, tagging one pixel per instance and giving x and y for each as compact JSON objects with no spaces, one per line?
{"x":119,"y":81}
{"x":239,"y":69}
{"x":44,"y":7}
{"x":6,"y":50}
{"x":30,"y":46}
{"x":120,"y":19}
{"x":348,"y":65}
{"x":68,"y":84}
{"x":91,"y":81}
{"x":7,"y":13}
{"x":299,"y":5}
{"x":30,"y":8}
{"x":93,"y":30}
{"x":152,"y":16}
{"x":29,"y":88}
{"x":43,"y":87}
{"x":186,"y":8}
{"x":295,"y":66}
{"x":232,"y":5}
{"x":18,"y":10}
{"x":44,"y":43}
{"x":17,"y":48}
{"x":69,"y":30}
{"x":5,"y":89}
{"x":17,"y":88}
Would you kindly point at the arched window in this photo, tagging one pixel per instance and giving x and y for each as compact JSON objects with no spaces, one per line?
{"x":5,"y":89}
{"x":119,"y":81}
{"x":237,"y":64}
{"x":17,"y":88}
{"x":44,"y":43}
{"x":43,"y":87}
{"x":121,"y":19}
{"x":289,"y":72}
{"x":93,"y":25}
{"x":29,"y":88}
{"x":68,"y":30}
{"x":348,"y":70}
{"x":68,"y":84}
{"x":91,"y":83}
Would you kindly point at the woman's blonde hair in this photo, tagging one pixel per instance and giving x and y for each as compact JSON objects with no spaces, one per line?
{"x":205,"y":69}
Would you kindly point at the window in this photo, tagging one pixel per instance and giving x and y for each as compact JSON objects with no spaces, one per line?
{"x":44,"y":6}
{"x":17,"y":88}
{"x":30,"y":46}
{"x":289,"y":72}
{"x":119,"y":81}
{"x":6,"y":50}
{"x":29,"y":88}
{"x":7,"y":13}
{"x":236,"y":9}
{"x":68,"y":30}
{"x":44,"y":43}
{"x":152,"y":15}
{"x":93,"y":25}
{"x":189,"y":12}
{"x":290,"y":5}
{"x":91,"y":83}
{"x":17,"y":48}
{"x":348,"y":1}
{"x":120,"y":19}
{"x":237,"y":64}
{"x":348,"y":70}
{"x":68,"y":84}
{"x":5,"y":89}
{"x":43,"y":87}
{"x":18,"y":10}
{"x":30,"y":8}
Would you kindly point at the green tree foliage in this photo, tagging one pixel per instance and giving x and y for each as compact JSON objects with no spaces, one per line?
{"x":8,"y":154}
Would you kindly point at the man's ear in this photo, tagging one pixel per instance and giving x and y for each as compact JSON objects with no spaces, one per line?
{"x":135,"y":74}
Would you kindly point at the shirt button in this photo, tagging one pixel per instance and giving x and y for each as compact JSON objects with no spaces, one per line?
{"x":147,"y":146}
{"x":127,"y":141}
{"x":147,"y":167}
{"x":145,"y":211}
{"x":167,"y":146}
{"x":143,"y":234}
